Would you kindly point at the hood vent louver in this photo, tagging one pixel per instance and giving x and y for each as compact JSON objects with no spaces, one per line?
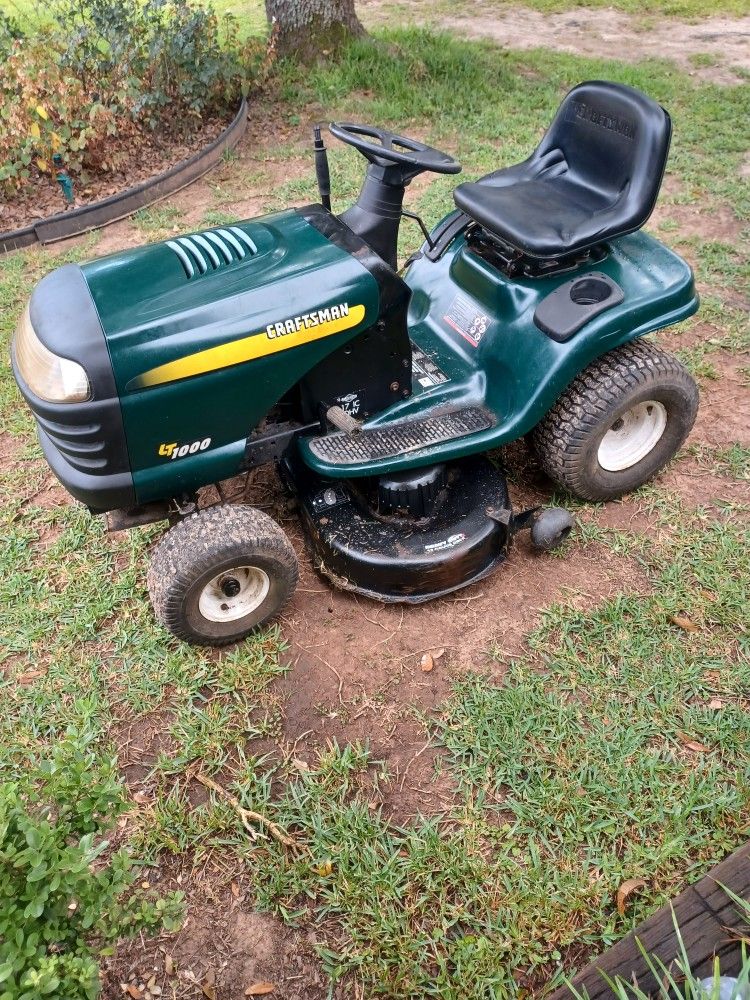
{"x":212,"y":250}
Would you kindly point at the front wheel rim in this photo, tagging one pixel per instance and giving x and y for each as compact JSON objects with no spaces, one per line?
{"x":234,"y":594}
{"x":632,"y":436}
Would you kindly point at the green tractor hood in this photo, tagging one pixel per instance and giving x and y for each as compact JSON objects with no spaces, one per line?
{"x":250,"y":308}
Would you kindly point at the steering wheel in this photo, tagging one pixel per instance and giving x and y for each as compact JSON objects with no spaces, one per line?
{"x":394,"y":149}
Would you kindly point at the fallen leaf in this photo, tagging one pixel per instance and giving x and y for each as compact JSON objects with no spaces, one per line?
{"x":132,"y":991}
{"x":323,"y":869}
{"x":690,"y":744}
{"x":715,"y":703}
{"x":259,"y":989}
{"x":438,"y":653}
{"x":140,"y":797}
{"x":685,"y":623}
{"x":169,"y":965}
{"x":628,"y":887}
{"x":235,"y":889}
{"x":426,"y":663}
{"x":30,"y":675}
{"x":301,"y":765}
{"x":209,"y":990}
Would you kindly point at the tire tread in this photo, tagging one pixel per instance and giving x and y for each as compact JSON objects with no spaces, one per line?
{"x":195,"y":543}
{"x":560,"y":437}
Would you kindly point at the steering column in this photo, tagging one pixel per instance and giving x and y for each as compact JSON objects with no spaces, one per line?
{"x":393,"y":162}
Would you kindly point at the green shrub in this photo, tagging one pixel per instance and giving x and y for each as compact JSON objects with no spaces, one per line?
{"x":43,"y":110}
{"x":10,"y":31}
{"x":63,"y":897}
{"x":97,"y":73}
{"x":143,"y":56}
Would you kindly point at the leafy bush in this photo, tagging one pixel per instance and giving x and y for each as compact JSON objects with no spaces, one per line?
{"x":99,"y":72}
{"x":62,"y":899}
{"x":142,"y":56}
{"x":44,"y":110}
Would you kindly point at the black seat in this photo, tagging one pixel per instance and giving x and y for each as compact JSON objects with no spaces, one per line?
{"x":595,"y":175}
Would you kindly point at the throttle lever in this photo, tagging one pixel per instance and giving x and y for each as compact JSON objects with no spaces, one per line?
{"x":322,"y":173}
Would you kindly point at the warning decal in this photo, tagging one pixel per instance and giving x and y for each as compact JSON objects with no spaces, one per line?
{"x":466,"y":319}
{"x":424,"y":369}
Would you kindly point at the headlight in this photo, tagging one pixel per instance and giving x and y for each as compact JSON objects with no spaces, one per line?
{"x":58,"y":380}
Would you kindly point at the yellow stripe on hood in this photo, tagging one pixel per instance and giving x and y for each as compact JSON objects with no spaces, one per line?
{"x":257,"y":345}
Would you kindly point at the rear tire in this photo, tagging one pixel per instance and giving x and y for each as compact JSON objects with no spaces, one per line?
{"x":220,"y":574}
{"x":619,"y":423}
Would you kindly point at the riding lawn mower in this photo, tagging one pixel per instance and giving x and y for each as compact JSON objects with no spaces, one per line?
{"x":292,"y":339}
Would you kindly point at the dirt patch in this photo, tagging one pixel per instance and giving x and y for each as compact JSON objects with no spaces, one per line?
{"x":222,"y":949}
{"x":605,"y":33}
{"x":724,"y":413}
{"x":357,"y":670}
{"x":722,"y":416}
{"x":140,"y":741}
{"x":720,"y":224}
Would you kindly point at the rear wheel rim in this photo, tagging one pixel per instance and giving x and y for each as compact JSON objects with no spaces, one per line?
{"x":632,"y":436}
{"x":234,"y":594}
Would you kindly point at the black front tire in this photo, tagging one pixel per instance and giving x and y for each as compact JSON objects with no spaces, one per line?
{"x":626,"y":384}
{"x":220,"y":574}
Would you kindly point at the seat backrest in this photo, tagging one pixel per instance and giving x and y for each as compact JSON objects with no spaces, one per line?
{"x":615,"y":141}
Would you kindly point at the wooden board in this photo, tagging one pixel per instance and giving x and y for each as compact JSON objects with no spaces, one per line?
{"x":705,"y":915}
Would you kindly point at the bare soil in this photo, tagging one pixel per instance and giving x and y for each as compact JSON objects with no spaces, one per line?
{"x":605,"y":33}
{"x":223,"y":948}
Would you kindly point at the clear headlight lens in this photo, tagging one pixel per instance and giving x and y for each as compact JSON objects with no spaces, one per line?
{"x":58,"y":380}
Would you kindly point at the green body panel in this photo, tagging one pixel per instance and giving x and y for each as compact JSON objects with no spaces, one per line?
{"x":153,"y":314}
{"x":516,"y":371}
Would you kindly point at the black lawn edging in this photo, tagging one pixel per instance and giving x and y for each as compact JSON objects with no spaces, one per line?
{"x":101,"y":213}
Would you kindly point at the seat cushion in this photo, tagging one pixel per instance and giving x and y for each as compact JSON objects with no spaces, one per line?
{"x":539,"y":217}
{"x":595,"y":175}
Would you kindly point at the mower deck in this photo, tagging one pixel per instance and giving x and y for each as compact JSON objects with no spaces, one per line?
{"x":395,"y":559}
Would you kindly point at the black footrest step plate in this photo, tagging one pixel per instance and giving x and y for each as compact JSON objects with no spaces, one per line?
{"x":376,"y":443}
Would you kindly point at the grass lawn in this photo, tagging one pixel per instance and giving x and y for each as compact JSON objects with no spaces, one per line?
{"x":614,"y":744}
